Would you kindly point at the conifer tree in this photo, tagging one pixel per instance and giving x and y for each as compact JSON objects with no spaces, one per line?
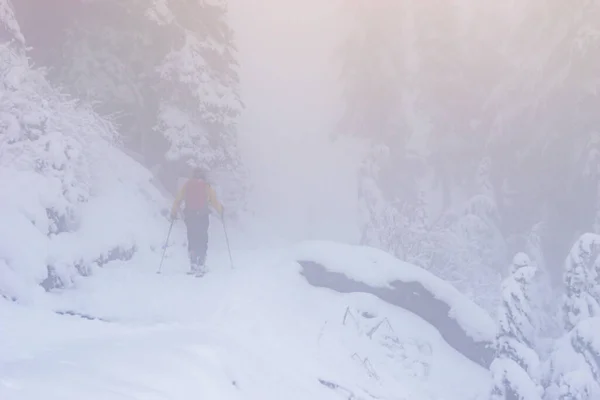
{"x":516,"y":366}
{"x":573,"y":370}
{"x":582,"y":281}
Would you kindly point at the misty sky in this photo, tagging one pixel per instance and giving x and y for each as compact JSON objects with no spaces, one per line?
{"x":290,"y":87}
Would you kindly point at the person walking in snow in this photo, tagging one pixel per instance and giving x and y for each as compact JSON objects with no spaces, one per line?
{"x":197,"y":194}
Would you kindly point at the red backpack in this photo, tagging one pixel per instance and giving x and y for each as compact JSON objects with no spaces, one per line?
{"x":195,"y":195}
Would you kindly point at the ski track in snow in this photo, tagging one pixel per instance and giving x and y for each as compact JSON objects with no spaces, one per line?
{"x":257,"y":332}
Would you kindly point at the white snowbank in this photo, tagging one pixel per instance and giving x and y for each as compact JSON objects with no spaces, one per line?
{"x":379,"y":269}
{"x":258,"y":332}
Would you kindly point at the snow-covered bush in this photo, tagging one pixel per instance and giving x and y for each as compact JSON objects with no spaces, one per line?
{"x":70,"y":199}
{"x":516,"y":366}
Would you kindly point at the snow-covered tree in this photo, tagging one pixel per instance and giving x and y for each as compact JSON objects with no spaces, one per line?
{"x":198,"y":113}
{"x":592,"y":172}
{"x":111,"y":62}
{"x":41,"y":155}
{"x":39,"y":136}
{"x":584,"y":340}
{"x":582,"y":281}
{"x":545,"y":301}
{"x":62,"y":172}
{"x":9,"y":27}
{"x":515,"y":369}
{"x":164,"y":72}
{"x":573,"y":369}
{"x":201,"y":77}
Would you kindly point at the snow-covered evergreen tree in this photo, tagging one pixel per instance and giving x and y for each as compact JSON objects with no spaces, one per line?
{"x":201,"y":74}
{"x":584,"y":340}
{"x":545,"y":301}
{"x":516,"y":367}
{"x":582,"y":281}
{"x":164,"y":72}
{"x":201,"y":103}
{"x":592,"y":172}
{"x":573,"y":370}
{"x":111,"y":63}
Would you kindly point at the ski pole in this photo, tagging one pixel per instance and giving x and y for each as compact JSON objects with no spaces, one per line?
{"x":165,"y":248}
{"x":227,"y":240}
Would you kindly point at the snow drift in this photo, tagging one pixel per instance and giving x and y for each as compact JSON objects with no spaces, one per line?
{"x":351,"y":269}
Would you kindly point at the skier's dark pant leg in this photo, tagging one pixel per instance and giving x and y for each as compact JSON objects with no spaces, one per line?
{"x":197,"y":233}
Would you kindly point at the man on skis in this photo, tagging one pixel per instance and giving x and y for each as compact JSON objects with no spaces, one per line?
{"x":197,"y":194}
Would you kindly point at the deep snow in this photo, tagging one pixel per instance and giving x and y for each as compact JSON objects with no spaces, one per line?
{"x":258,"y":331}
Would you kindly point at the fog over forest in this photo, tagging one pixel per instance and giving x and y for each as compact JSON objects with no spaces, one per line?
{"x":459,"y":136}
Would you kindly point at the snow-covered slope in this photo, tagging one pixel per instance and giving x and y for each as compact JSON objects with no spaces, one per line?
{"x":257,"y":332}
{"x":70,"y":200}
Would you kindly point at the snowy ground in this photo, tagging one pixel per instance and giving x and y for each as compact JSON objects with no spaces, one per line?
{"x":256,"y":332}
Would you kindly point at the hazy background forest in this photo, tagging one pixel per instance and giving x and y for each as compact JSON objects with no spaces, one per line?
{"x":451,"y":134}
{"x":460,"y":136}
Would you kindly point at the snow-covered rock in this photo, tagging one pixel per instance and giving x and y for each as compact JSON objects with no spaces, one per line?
{"x":346,"y":269}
